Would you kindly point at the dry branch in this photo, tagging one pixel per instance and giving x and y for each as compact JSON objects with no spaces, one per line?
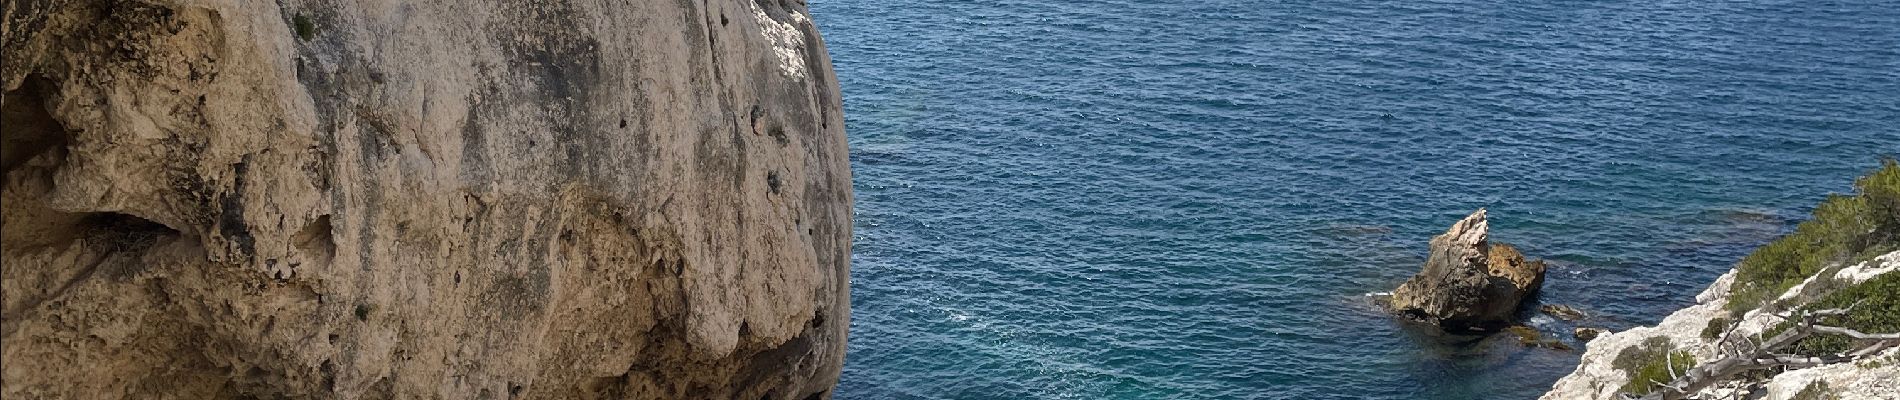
{"x":1760,"y":354}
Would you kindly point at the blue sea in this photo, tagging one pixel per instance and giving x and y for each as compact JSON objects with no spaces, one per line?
{"x":1190,"y":199}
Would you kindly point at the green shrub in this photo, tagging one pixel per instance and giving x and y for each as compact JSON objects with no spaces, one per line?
{"x":1876,"y":305}
{"x":1843,"y":229}
{"x":1716,"y":327}
{"x":1651,"y":363}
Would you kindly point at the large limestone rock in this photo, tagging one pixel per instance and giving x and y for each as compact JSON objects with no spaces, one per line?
{"x":456,"y":199}
{"x":1468,"y":282}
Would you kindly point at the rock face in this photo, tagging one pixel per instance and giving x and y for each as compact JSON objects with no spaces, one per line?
{"x":392,"y":199}
{"x":1467,"y":281}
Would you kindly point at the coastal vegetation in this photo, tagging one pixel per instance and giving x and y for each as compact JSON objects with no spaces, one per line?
{"x":1651,"y":364}
{"x":1716,"y":327}
{"x":1834,"y":329}
{"x":1845,"y":229}
{"x":1871,"y":307}
{"x":1813,"y":280}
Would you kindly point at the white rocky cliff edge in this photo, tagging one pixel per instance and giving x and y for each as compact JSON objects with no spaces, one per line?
{"x":393,"y":199}
{"x":1873,"y":377}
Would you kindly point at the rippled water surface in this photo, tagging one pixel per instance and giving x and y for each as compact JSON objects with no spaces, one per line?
{"x":1188,"y":198}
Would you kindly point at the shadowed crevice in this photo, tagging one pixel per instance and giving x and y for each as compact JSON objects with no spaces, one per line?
{"x":30,"y":129}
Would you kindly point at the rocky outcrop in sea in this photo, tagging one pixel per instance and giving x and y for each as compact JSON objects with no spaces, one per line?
{"x":453,"y":199}
{"x":1468,"y":282}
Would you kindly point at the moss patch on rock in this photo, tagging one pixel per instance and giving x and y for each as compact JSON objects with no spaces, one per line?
{"x":306,"y":29}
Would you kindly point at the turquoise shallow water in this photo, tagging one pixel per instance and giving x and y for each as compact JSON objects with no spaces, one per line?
{"x":1188,"y":199}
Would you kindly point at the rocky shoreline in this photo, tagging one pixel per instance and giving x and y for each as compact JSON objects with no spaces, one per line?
{"x":1812,"y":315}
{"x":1876,"y":377}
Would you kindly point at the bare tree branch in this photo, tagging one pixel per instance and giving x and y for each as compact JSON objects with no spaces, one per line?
{"x":1854,"y":333}
{"x":1760,"y":354}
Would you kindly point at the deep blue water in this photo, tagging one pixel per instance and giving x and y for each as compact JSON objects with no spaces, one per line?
{"x":1187,"y":199}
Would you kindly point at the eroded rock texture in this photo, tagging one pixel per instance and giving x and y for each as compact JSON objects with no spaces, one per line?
{"x":396,"y":199}
{"x":1468,"y":282}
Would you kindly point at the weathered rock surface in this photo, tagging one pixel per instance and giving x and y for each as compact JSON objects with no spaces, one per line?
{"x":392,"y":199}
{"x":1468,"y":282}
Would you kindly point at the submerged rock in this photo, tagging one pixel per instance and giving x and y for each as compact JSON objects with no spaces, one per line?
{"x":1531,"y":337}
{"x":1468,"y":282}
{"x":460,"y":199}
{"x":1563,"y":312}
